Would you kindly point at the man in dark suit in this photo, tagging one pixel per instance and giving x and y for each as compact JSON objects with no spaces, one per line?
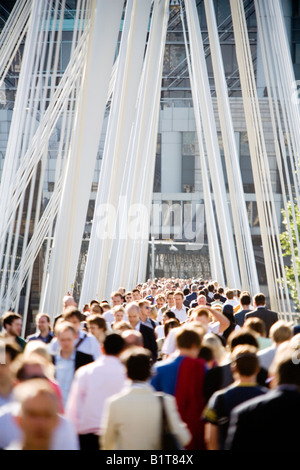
{"x":262,"y":312}
{"x":192,"y":296}
{"x":245,"y":301}
{"x":134,"y":318}
{"x":270,"y":422}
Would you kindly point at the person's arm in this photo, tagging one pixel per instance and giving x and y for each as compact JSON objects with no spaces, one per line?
{"x":211,"y":436}
{"x":219,"y":317}
{"x":107,"y":438}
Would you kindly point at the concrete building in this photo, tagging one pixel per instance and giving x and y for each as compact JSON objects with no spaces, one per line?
{"x":177,"y":184}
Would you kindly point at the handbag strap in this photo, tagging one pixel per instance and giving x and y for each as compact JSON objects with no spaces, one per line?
{"x":80,"y":341}
{"x":165,"y":426}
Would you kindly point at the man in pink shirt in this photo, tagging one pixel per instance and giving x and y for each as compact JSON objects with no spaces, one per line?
{"x":91,"y":387}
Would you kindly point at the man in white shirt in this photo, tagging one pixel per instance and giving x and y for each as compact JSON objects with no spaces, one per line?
{"x":212,"y":320}
{"x":116,"y":300}
{"x":179,"y":309}
{"x":231,"y":299}
{"x":92,"y":386}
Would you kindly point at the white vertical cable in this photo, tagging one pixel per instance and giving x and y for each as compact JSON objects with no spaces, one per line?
{"x":261,"y":173}
{"x":57,"y":105}
{"x":14,"y":141}
{"x":130,"y":162}
{"x":212,"y":145}
{"x":106,"y":19}
{"x":33,"y":102}
{"x":143,"y":143}
{"x":236,"y":191}
{"x":215,"y":256}
{"x":279,"y":86}
{"x":13,"y":34}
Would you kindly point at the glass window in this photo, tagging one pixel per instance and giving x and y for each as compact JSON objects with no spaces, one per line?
{"x":188,"y":161}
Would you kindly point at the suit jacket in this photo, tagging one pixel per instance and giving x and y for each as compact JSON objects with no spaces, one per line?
{"x":149,"y":340}
{"x":81,"y":359}
{"x":134,"y":407}
{"x":264,"y":314}
{"x":189,"y":298}
{"x":267,"y":422}
{"x":240,"y":317}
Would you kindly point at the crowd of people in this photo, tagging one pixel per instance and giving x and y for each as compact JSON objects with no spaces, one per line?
{"x":212,"y":367}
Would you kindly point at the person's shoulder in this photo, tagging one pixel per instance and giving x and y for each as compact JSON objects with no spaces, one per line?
{"x":251,"y":313}
{"x":256,"y":403}
{"x":89,"y":367}
{"x":146,"y":329}
{"x":32,"y":337}
{"x":119,"y":397}
{"x":165,"y":364}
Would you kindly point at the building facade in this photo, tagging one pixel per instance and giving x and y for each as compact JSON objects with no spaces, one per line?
{"x":178,"y":244}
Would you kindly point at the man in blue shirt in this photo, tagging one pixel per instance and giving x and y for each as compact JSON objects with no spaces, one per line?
{"x":43,"y":333}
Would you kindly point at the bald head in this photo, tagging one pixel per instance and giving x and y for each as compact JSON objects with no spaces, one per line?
{"x":68,"y":301}
{"x":133,"y":313}
{"x":133,"y":338}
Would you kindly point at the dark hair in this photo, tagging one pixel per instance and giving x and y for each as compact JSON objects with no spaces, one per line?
{"x":72,"y":312}
{"x":113,"y":344}
{"x":257,"y":325}
{"x":260,"y":299}
{"x":242,"y":336}
{"x":217,"y":296}
{"x":229,"y":294}
{"x":245,"y":299}
{"x":229,"y":313}
{"x":138,"y":362}
{"x":9,"y":317}
{"x":186,"y":291}
{"x":211,"y":288}
{"x":170,"y":314}
{"x":97,"y":320}
{"x":96,"y":309}
{"x":187,"y":338}
{"x":11,"y":348}
{"x":245,"y":360}
{"x":172,"y":323}
{"x":287,"y":369}
{"x":206,"y":353}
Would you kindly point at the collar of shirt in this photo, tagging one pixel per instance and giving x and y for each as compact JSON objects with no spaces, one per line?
{"x":175,"y":309}
{"x":142,"y":385}
{"x":137,"y":327}
{"x":147,"y":323}
{"x":45,"y":339}
{"x":71,"y":358}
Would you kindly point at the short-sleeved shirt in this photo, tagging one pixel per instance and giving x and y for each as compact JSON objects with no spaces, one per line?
{"x":221,"y":404}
